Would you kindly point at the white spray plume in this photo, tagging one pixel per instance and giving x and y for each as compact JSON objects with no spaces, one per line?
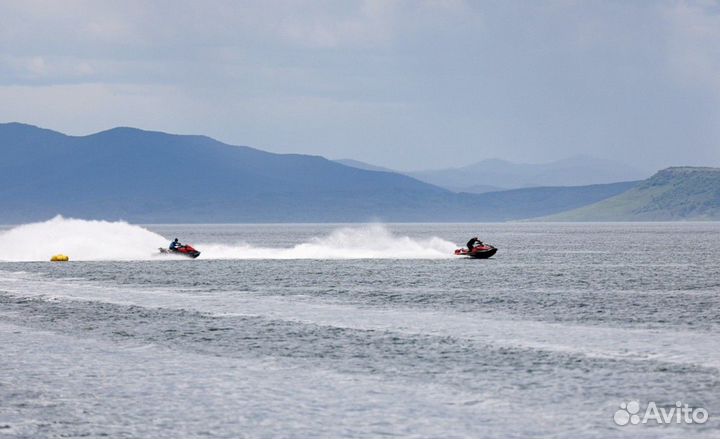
{"x":85,"y":240}
{"x":359,"y":242}
{"x":82,"y":240}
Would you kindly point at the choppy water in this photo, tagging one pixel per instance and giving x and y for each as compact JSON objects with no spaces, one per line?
{"x":277,"y":331}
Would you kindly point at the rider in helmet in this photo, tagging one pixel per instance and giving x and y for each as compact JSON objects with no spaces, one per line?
{"x":473,"y":242}
{"x":175,"y":244}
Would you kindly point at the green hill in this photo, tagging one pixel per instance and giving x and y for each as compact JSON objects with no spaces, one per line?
{"x":673,"y":194}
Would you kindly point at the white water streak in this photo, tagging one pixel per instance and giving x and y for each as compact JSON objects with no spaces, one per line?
{"x":85,"y":240}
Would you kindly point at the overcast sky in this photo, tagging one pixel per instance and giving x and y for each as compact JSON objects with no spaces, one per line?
{"x":405,"y":84}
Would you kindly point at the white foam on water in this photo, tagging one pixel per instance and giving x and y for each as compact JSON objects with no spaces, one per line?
{"x":82,"y":240}
{"x":360,"y":242}
{"x":637,"y":344}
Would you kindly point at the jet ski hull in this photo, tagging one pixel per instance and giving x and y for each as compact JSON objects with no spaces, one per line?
{"x":184,"y":251}
{"x":480,"y":252}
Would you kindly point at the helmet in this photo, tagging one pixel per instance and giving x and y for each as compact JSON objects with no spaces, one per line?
{"x":176,"y":239}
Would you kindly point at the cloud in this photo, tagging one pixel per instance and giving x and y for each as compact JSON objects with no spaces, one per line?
{"x":356,"y":24}
{"x":42,"y":69}
{"x":694,"y":43}
{"x":398,"y":82}
{"x":68,"y":107}
{"x":308,"y":120}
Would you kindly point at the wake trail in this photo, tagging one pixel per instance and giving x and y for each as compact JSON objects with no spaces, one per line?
{"x":360,"y":242}
{"x":82,"y":240}
{"x":90,"y":240}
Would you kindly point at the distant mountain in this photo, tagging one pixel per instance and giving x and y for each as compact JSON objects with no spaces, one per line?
{"x":532,"y":202}
{"x":152,"y":176}
{"x":679,"y":193}
{"x":476,"y":188}
{"x":575,"y":171}
{"x":365,"y":166}
{"x":146,"y":176}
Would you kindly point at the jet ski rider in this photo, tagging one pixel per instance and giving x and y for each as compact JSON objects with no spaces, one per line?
{"x":471,"y":244}
{"x":175,"y":245}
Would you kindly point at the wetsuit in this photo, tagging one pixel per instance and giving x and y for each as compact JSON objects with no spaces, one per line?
{"x":175,"y":245}
{"x":472,"y":242}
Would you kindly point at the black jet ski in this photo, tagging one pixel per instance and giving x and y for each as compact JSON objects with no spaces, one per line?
{"x":483,"y":251}
{"x":185,"y":250}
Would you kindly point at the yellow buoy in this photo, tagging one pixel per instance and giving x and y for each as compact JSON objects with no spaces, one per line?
{"x":60,"y":258}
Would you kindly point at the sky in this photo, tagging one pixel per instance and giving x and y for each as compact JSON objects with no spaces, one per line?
{"x":405,"y":84}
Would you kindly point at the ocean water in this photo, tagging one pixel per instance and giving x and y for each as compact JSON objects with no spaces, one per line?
{"x":357,"y":331}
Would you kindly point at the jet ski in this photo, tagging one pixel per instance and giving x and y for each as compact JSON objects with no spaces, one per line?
{"x":483,"y":251}
{"x":185,"y":250}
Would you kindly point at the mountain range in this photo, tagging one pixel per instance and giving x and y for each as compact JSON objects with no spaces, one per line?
{"x":496,"y":175}
{"x":153,"y":177}
{"x":678,"y":193}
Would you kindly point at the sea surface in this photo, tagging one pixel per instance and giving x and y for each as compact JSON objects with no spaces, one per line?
{"x":357,"y":330}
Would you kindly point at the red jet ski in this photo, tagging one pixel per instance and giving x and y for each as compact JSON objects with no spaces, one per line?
{"x":483,"y":251}
{"x":185,"y":250}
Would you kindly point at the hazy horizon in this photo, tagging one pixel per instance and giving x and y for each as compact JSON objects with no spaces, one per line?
{"x":405,"y":85}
